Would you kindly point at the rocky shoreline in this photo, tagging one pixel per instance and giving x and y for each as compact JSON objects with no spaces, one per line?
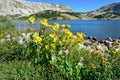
{"x":102,"y":46}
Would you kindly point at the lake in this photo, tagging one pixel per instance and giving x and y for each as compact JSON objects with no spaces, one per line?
{"x":101,"y":29}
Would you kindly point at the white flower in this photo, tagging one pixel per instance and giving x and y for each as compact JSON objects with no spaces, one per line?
{"x":20,"y":40}
{"x":66,"y":52}
{"x":80,"y":64}
{"x":53,"y":57}
{"x":8,"y":37}
{"x":23,"y":34}
{"x":28,"y":34}
{"x":81,"y":46}
{"x":89,"y":49}
{"x":60,"y":52}
{"x":27,"y":38}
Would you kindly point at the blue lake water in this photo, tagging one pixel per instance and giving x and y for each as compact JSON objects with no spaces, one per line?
{"x":101,"y":29}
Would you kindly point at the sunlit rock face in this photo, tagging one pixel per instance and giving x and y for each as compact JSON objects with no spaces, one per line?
{"x":108,"y":12}
{"x":22,"y":7}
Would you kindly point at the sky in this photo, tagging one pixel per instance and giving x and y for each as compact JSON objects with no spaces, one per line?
{"x":80,"y":5}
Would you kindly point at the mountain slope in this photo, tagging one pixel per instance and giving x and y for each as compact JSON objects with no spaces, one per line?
{"x":56,"y":15}
{"x":111,"y":11}
{"x":15,"y":8}
{"x":111,"y":8}
{"x":108,"y":12}
{"x":22,"y":7}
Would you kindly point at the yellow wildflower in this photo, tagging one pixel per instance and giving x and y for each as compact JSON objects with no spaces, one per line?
{"x":63,"y":41}
{"x":56,"y":26}
{"x":63,"y":25}
{"x":44,"y":22}
{"x":60,"y":42}
{"x":80,"y":35}
{"x":52,"y":35}
{"x":93,"y":66}
{"x":72,"y":37}
{"x":52,"y":45}
{"x":80,"y":41}
{"x":46,"y":46}
{"x":104,"y":59}
{"x":32,"y":19}
{"x":36,"y":38}
{"x":55,"y":39}
{"x":53,"y":28}
{"x":66,"y":32}
{"x":68,"y":25}
{"x":106,"y":62}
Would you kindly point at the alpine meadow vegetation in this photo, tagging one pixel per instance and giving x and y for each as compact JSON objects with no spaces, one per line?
{"x":52,"y":53}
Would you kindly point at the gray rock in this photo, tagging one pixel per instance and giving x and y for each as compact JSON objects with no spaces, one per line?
{"x":87,"y":42}
{"x":94,"y":38}
{"x":22,"y":7}
{"x":109,"y":39}
{"x":89,"y":37}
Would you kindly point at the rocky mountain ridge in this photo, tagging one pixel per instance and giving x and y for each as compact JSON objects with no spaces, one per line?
{"x":111,"y":11}
{"x":22,"y":7}
{"x":108,"y":12}
{"x":18,"y":8}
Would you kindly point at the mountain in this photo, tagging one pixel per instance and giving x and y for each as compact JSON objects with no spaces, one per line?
{"x":15,"y":8}
{"x":22,"y":7}
{"x":110,"y":12}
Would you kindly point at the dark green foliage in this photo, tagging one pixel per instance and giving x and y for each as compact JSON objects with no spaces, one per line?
{"x":76,"y":14}
{"x":47,"y":14}
{"x":109,"y":9}
{"x":117,"y":13}
{"x":53,"y":15}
